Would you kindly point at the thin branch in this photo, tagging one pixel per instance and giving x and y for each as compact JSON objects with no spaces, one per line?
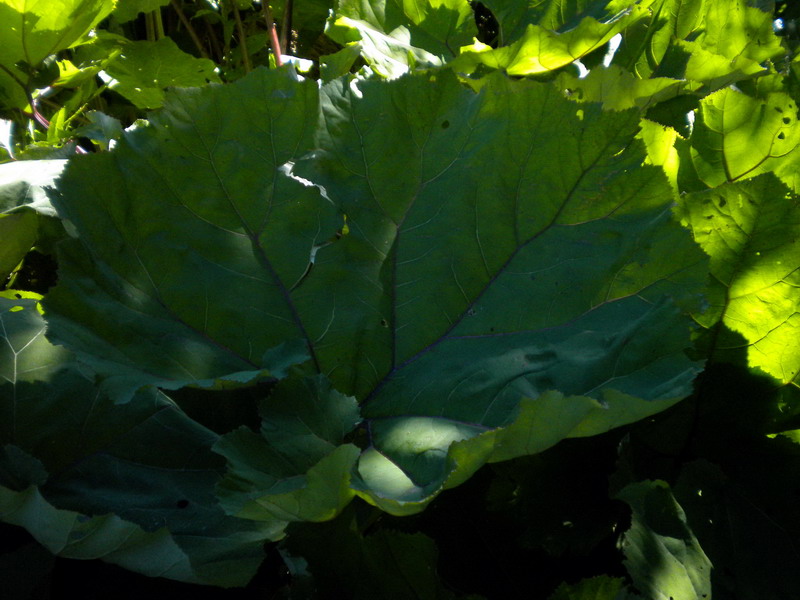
{"x":286,"y":26}
{"x":192,"y":33}
{"x":242,"y":37}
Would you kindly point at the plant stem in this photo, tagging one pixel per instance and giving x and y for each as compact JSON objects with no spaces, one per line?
{"x":189,"y":29}
{"x":286,"y":26}
{"x":242,"y":37}
{"x":273,"y":35}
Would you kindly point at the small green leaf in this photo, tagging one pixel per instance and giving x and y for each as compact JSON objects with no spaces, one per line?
{"x":662,"y":554}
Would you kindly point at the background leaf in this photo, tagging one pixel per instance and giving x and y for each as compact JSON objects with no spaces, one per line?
{"x":71,"y":456}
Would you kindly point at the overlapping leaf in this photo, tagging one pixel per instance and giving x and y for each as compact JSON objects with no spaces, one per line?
{"x":144,"y":69}
{"x":26,"y":215}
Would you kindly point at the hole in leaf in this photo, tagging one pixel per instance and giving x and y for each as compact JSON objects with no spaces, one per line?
{"x":384,"y":323}
{"x":786,"y":120}
{"x":781,"y":135}
{"x":445,"y":124}
{"x":722,"y":202}
{"x":182,"y":503}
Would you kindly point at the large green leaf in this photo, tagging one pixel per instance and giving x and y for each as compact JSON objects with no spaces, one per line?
{"x":131,"y":484}
{"x":476,"y":313}
{"x":750,"y":230}
{"x":127,"y":10}
{"x":384,"y":564}
{"x":33,"y":30}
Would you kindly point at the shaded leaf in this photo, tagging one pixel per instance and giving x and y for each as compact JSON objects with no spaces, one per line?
{"x":387,"y":564}
{"x":594,"y":588}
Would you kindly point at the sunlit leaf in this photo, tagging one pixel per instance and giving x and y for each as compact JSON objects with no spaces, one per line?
{"x":737,"y":136}
{"x":540,"y":50}
{"x":396,"y":36}
{"x":144,"y":69}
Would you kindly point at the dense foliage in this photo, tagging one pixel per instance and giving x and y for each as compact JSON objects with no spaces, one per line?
{"x":404,"y":300}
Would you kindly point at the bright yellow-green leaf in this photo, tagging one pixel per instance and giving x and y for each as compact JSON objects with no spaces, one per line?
{"x":739,"y":137}
{"x":619,"y":89}
{"x":540,"y":50}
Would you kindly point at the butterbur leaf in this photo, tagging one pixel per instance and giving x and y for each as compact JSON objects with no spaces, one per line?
{"x":750,"y":231}
{"x":127,"y":10}
{"x":298,"y":468}
{"x":26,"y":216}
{"x":461,"y":305}
{"x":74,"y":535}
{"x":662,"y":554}
{"x":88,"y":478}
{"x":618,"y":89}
